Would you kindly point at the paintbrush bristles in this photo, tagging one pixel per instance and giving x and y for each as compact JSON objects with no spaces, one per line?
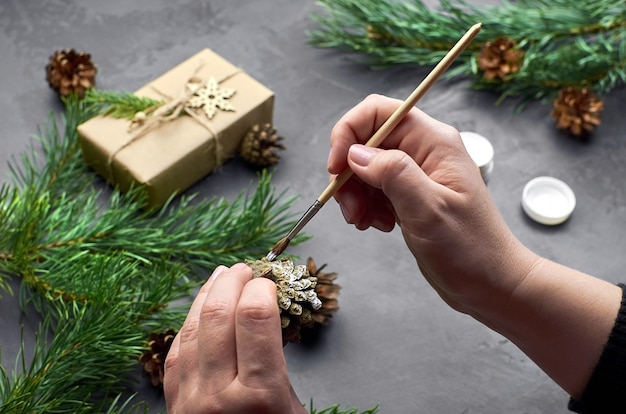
{"x":278,"y":248}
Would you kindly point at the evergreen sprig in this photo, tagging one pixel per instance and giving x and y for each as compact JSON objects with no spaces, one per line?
{"x":102,"y":271}
{"x":565,"y":42}
{"x":117,"y":104}
{"x":338,"y":409}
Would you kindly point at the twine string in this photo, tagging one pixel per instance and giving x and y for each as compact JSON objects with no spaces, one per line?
{"x":170,"y":111}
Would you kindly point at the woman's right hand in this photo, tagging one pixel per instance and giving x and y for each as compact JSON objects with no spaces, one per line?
{"x":423,"y":179}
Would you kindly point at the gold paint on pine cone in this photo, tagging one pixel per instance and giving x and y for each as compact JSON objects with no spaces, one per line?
{"x":300,"y":304}
{"x":500,"y":58}
{"x":260,"y":146}
{"x":69,"y":71}
{"x":577,"y":111}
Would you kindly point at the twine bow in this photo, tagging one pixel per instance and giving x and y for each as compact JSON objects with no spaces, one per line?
{"x":197,"y":94}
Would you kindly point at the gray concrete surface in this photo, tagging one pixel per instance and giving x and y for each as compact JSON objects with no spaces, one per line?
{"x":394,"y":342}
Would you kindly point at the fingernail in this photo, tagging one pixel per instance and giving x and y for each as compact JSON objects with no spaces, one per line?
{"x":218,"y":271}
{"x":361,"y":155}
{"x":239,"y":266}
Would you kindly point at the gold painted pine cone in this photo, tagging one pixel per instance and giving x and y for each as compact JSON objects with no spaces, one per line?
{"x":69,"y":71}
{"x":300,"y":304}
{"x":260,"y":146}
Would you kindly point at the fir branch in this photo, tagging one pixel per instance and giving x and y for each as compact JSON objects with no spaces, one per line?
{"x":337,"y":409}
{"x":128,"y":406}
{"x":201,"y":233}
{"x":61,"y":154}
{"x":80,"y":370}
{"x":8,"y":203}
{"x":556,"y":36}
{"x":95,"y":343}
{"x":116,"y":104}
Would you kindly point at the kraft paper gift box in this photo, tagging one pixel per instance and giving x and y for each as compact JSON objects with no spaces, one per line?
{"x":217,"y":103}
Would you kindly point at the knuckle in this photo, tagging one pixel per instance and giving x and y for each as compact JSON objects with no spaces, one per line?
{"x":171,"y":362}
{"x":189,"y":331}
{"x":216,"y":310}
{"x":451,"y":134}
{"x":257,"y":310}
{"x":256,"y":313}
{"x":374,"y":98}
{"x":395,"y":163}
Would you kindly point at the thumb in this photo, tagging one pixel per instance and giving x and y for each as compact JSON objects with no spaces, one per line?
{"x":395,"y":173}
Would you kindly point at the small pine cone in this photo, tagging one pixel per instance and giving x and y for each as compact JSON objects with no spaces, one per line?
{"x":260,"y":146}
{"x":153,"y":359}
{"x":500,"y":58}
{"x":295,"y":289}
{"x":372,"y":33}
{"x":577,"y":111}
{"x":69,"y":71}
{"x":327,"y":291}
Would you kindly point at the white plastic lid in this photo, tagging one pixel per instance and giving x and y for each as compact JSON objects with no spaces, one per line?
{"x":478,"y":147}
{"x":548,"y":200}
{"x":480,"y":151}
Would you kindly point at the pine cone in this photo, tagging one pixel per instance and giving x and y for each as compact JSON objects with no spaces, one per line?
{"x":327,"y":291}
{"x":500,"y":58}
{"x":69,"y":71}
{"x":577,"y":111}
{"x":260,"y":146}
{"x":297,"y":299}
{"x":372,"y":33}
{"x":153,"y":359}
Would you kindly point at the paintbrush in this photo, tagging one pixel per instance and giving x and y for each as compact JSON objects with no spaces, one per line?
{"x":378,"y":137}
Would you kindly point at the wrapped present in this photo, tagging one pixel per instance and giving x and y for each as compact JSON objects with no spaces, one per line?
{"x":209,"y":105}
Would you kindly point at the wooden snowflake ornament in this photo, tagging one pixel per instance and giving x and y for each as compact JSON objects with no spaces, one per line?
{"x":210,"y":98}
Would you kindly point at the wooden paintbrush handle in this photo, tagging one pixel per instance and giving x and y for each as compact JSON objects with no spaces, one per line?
{"x":335,"y":185}
{"x":397,"y":116}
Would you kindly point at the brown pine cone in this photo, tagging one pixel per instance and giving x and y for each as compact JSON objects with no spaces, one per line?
{"x":327,"y":291}
{"x":295,"y":289}
{"x":153,"y":359}
{"x":577,"y":111}
{"x":260,"y":146}
{"x":69,"y":71}
{"x":500,"y":58}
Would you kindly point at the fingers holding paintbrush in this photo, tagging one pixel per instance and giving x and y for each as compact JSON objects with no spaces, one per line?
{"x":379,"y":136}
